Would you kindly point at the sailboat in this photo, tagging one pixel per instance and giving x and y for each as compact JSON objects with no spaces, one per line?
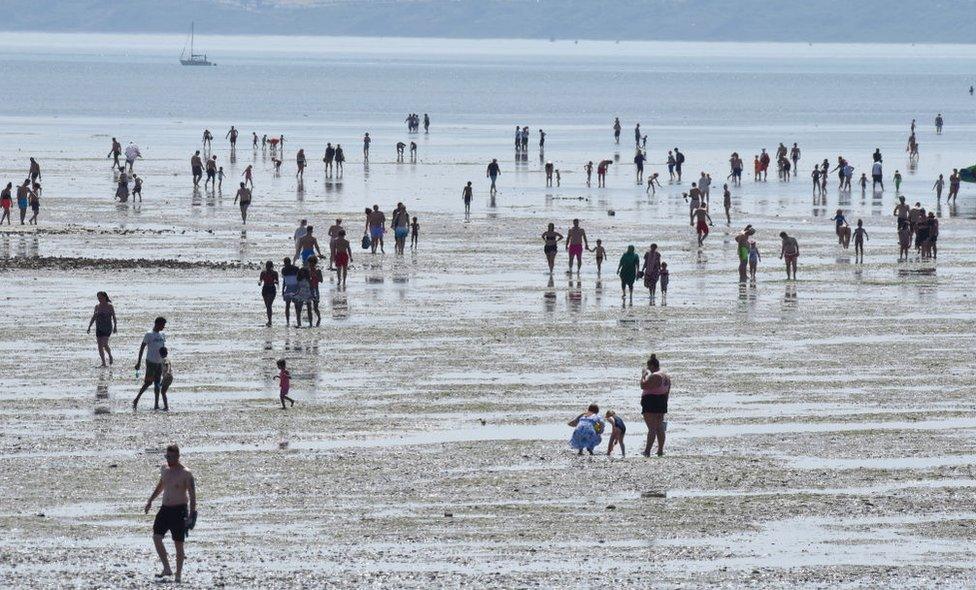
{"x":195,"y":59}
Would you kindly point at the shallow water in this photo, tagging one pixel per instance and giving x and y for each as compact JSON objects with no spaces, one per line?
{"x":441,"y":381}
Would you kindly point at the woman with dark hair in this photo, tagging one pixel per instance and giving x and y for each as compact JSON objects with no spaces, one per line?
{"x":105,"y":325}
{"x":655,"y":388}
{"x":627,"y":271}
{"x":551,"y":238}
{"x":587,"y":428}
{"x":269,"y":287}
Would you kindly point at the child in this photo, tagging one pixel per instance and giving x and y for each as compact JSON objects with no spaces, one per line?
{"x":588,"y":427}
{"x":651,"y":182}
{"x":664,"y":276}
{"x":277,"y":166}
{"x":904,"y":241}
{"x":619,"y":430}
{"x":558,"y":177}
{"x":589,"y":172}
{"x":167,"y":378}
{"x":414,"y":232}
{"x":864,"y":183}
{"x":600,"y":253}
{"x":860,"y":234}
{"x":897,"y":181}
{"x":727,"y":203}
{"x":137,"y":189}
{"x":754,"y":258}
{"x":285,"y":383}
{"x":220,"y":177}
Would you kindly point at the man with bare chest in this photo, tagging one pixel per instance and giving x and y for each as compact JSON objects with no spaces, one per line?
{"x":178,"y":488}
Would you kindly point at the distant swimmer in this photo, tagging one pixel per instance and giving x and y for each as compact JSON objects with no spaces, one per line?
{"x":551,"y":238}
{"x":196,"y":167}
{"x":115,"y":152}
{"x":466,"y":194}
{"x":601,"y":172}
{"x":789,"y":252}
{"x":300,"y":162}
{"x":178,"y":488}
{"x":232,"y":136}
{"x":493,"y":172}
{"x":366,"y":142}
{"x":328,"y":158}
{"x":307,"y":246}
{"x":575,"y":242}
{"x":343,"y":256}
{"x":616,"y":130}
{"x":243,"y":196}
{"x":938,"y":124}
{"x":627,"y":271}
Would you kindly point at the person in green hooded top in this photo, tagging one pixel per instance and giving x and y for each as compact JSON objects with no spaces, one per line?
{"x":627,"y":271}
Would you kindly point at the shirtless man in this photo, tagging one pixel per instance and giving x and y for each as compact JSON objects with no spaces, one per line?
{"x":493,"y":172}
{"x":702,"y":221}
{"x":232,"y":136}
{"x":115,"y":152}
{"x":308,"y":245}
{"x":375,"y":226}
{"x":693,"y":197}
{"x":901,"y":212}
{"x":466,"y":193}
{"x":34,"y":172}
{"x":742,"y":248}
{"x":790,"y":252}
{"x":343,"y":256}
{"x":334,"y":231}
{"x":366,"y":142}
{"x":211,"y":173}
{"x":244,"y":194}
{"x":196,"y":166}
{"x":575,"y":242}
{"x":178,"y":487}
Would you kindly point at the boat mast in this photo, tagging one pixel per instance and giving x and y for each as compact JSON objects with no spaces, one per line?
{"x":191,"y":39}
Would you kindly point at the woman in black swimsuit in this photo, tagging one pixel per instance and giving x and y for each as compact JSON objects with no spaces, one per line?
{"x":105,"y":325}
{"x":269,"y":289}
{"x":552,"y":238}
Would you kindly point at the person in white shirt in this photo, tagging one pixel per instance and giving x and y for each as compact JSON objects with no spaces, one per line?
{"x":301,"y":231}
{"x":876,"y":176}
{"x":152,"y":342}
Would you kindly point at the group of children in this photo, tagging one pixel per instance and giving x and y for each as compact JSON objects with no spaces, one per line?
{"x":588,"y":429}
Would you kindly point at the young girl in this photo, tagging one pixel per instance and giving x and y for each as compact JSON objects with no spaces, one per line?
{"x":284,"y":378}
{"x":414,"y":233}
{"x":588,"y":428}
{"x":664,"y":278}
{"x":137,"y":188}
{"x":653,"y":180}
{"x":619,"y":430}
{"x":600,"y":253}
{"x":754,"y":258}
{"x":167,"y":378}
{"x":220,"y":178}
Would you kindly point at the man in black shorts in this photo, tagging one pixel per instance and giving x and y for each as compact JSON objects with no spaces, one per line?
{"x":178,"y":487}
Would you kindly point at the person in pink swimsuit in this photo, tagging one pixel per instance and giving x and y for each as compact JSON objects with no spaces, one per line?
{"x":655,"y":389}
{"x":575,"y":242}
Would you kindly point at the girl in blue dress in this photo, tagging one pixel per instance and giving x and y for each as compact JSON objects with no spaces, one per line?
{"x":588,"y":427}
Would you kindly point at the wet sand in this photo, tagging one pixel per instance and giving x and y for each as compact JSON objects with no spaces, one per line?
{"x":820,"y":431}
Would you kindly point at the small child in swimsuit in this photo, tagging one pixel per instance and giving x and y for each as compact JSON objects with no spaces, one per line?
{"x":414,"y":232}
{"x":284,"y":378}
{"x":220,"y":178}
{"x":619,"y":430}
{"x":754,"y":258}
{"x":904,"y":241}
{"x":277,"y":166}
{"x":137,"y":189}
{"x":557,"y":177}
{"x":860,"y":234}
{"x":600,"y":253}
{"x":167,"y":378}
{"x":664,"y":277}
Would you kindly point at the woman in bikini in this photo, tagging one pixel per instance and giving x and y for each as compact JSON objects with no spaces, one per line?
{"x":551,"y":238}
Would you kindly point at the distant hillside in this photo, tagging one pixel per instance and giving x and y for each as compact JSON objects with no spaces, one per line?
{"x":886,"y":21}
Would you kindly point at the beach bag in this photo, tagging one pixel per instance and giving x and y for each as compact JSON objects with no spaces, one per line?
{"x":598,"y":427}
{"x":366,"y":242}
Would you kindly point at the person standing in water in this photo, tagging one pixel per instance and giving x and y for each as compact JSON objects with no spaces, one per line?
{"x":795,"y":156}
{"x":939,"y":184}
{"x":551,"y":238}
{"x":860,"y":234}
{"x":151,"y":343}
{"x":639,"y":159}
{"x":742,"y":240}
{"x":343,"y":256}
{"x":679,"y":159}
{"x":790,"y":251}
{"x":196,"y":167}
{"x":376,"y":226}
{"x":178,"y":487}
{"x":269,"y":287}
{"x":616,"y":130}
{"x":575,"y":242}
{"x":232,"y":136}
{"x":601,"y":173}
{"x":115,"y":152}
{"x":938,"y":124}
{"x":366,"y":142}
{"x":627,"y":271}
{"x":652,"y":270}
{"x":328,"y":158}
{"x":727,"y":203}
{"x":466,"y":194}
{"x":702,"y":222}
{"x":103,"y":318}
{"x":307,"y":246}
{"x":300,"y":162}
{"x":244,"y":195}
{"x":400,"y":224}
{"x":655,"y":390}
{"x":493,"y":172}
{"x":426,"y":124}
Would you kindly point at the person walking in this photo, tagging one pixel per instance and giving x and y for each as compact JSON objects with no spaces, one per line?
{"x":178,"y":512}
{"x":105,"y":324}
{"x":655,"y":390}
